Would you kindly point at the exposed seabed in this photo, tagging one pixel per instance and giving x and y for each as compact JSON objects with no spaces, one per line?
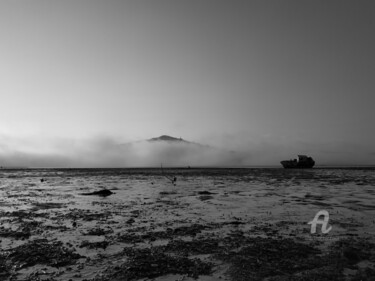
{"x":211,"y":224}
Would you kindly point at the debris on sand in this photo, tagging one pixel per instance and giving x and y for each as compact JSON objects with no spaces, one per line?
{"x":20,"y":233}
{"x":103,"y":193}
{"x":4,"y":268}
{"x":351,"y":251}
{"x":194,"y":247}
{"x":94,"y":245}
{"x":98,"y":231}
{"x":261,"y":258}
{"x":85,"y":215}
{"x":169,"y":233}
{"x":152,"y":263}
{"x":41,"y":251}
{"x":48,"y":205}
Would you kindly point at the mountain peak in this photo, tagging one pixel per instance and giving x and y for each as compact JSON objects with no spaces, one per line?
{"x":167,"y":138}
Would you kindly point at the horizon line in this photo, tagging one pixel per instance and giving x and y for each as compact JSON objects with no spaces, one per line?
{"x":197,"y":167}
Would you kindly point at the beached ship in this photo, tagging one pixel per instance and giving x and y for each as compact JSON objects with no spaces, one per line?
{"x":303,"y":162}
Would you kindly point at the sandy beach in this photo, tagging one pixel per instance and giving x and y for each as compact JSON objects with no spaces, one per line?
{"x":212,"y":224}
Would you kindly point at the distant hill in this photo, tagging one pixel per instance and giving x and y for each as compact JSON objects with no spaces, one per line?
{"x":168,"y":138}
{"x":173,"y":151}
{"x":172,"y":140}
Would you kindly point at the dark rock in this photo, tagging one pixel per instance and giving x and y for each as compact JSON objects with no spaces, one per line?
{"x":130,"y":221}
{"x":205,"y":192}
{"x":103,"y":193}
{"x":236,"y":222}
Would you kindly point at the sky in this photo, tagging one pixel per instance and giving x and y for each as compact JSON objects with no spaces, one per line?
{"x":267,"y":79}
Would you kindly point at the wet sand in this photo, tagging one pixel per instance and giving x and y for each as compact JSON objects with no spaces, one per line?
{"x":213,"y":224}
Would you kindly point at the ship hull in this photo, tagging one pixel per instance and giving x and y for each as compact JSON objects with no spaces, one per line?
{"x":293,"y":165}
{"x":304,"y":162}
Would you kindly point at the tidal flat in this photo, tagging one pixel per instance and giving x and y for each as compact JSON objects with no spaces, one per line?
{"x":210,"y":224}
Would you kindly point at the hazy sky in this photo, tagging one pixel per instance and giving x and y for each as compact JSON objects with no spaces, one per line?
{"x":283,"y":77}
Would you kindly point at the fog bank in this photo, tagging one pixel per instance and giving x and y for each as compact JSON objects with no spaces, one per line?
{"x":108,"y":152}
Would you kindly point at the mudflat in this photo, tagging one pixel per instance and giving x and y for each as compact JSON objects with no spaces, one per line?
{"x":209,"y":224}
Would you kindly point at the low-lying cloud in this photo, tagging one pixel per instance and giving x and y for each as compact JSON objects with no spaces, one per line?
{"x":107,"y":152}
